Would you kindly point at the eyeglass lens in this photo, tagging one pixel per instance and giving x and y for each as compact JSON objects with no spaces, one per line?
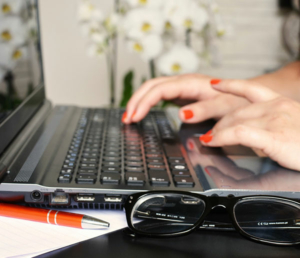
{"x":166,"y":213}
{"x":269,"y":219}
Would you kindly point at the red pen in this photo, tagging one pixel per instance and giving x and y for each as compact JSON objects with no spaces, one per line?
{"x":53,"y":217}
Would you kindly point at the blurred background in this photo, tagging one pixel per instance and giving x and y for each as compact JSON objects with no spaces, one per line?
{"x":234,"y":39}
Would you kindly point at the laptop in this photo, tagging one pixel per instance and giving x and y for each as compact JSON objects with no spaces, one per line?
{"x":67,"y":156}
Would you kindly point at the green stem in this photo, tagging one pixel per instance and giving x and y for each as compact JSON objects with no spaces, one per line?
{"x":188,"y":37}
{"x":152,"y":69}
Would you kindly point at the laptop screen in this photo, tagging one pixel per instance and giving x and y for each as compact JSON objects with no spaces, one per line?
{"x":21,"y":71}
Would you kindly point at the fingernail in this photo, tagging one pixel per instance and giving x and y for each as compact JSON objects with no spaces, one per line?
{"x":206,"y":137}
{"x":188,"y":114}
{"x":215,"y":81}
{"x":207,"y":171}
{"x":124,"y":117}
{"x":209,"y":132}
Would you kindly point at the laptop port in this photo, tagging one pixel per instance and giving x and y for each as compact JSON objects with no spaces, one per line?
{"x":85,"y":198}
{"x":36,"y":195}
{"x":59,"y":198}
{"x":113,"y":198}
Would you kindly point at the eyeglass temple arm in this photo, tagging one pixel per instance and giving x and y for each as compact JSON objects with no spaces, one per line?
{"x":213,"y":225}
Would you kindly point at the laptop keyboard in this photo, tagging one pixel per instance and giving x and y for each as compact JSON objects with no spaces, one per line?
{"x":104,"y":150}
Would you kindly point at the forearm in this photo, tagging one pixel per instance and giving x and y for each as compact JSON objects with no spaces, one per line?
{"x":285,"y":81}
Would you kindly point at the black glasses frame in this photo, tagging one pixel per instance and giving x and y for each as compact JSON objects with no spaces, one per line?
{"x":211,"y":202}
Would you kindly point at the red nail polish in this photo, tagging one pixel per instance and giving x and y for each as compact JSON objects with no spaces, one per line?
{"x":190,"y":145}
{"x":215,"y":81}
{"x":205,"y":138}
{"x":188,"y":114}
{"x":209,"y":132}
{"x":124,"y":117}
{"x":207,"y":171}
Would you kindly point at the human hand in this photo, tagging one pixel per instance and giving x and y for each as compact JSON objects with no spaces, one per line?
{"x":183,"y":90}
{"x":271,"y":124}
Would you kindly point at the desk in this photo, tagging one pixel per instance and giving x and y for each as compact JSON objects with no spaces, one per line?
{"x":202,"y":244}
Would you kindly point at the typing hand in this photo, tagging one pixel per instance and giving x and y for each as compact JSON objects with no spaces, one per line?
{"x":183,"y":90}
{"x":271,"y":124}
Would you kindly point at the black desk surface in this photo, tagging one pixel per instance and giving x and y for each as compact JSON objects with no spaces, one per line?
{"x":199,"y":244}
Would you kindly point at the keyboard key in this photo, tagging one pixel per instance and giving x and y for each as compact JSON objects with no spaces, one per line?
{"x":153,"y":151}
{"x":111,"y":164}
{"x":179,"y":167}
{"x":111,"y":149}
{"x":85,"y":160}
{"x":68,"y":167}
{"x":112,"y":154}
{"x":111,"y":169}
{"x":88,"y":166}
{"x":66,"y":171}
{"x":152,"y":155}
{"x":87,"y":173}
{"x":181,"y":173}
{"x":155,"y":160}
{"x":135,"y":179}
{"x":86,"y":179}
{"x":134,"y":153}
{"x":90,"y":155}
{"x":90,"y":171}
{"x":111,"y":158}
{"x":110,"y":178}
{"x":64,"y":180}
{"x":156,"y":167}
{"x":134,"y":163}
{"x":134,"y":169}
{"x":170,"y":158}
{"x":184,"y":181}
{"x":177,"y":162}
{"x":133,"y":158}
{"x":159,"y":178}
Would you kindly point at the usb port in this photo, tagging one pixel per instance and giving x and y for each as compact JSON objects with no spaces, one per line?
{"x":113,"y":198}
{"x":85,"y":198}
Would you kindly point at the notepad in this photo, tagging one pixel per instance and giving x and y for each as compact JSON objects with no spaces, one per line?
{"x":21,"y":238}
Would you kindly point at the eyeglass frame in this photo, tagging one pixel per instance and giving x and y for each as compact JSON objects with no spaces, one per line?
{"x":228,"y":202}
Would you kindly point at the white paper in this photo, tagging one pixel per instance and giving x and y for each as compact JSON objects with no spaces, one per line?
{"x":21,"y":238}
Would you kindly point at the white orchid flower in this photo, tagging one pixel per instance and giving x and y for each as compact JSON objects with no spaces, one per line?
{"x":99,"y":38}
{"x":9,"y":55}
{"x":12,"y":30}
{"x":96,"y":50}
{"x":149,"y":47}
{"x":90,"y":28}
{"x":145,"y":3}
{"x":88,"y":12}
{"x":111,"y":23}
{"x":185,"y":15}
{"x":8,"y":7}
{"x":178,"y":60}
{"x":143,"y":21}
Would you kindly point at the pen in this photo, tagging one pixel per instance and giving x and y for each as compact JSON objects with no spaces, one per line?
{"x":53,"y":217}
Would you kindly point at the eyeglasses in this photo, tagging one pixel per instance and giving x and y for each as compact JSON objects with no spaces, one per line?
{"x":267,"y":219}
